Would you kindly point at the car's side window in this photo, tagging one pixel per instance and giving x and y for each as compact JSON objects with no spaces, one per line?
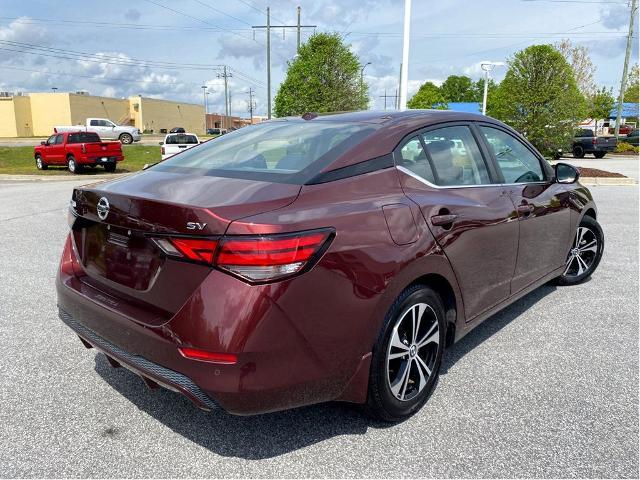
{"x":517,"y":163}
{"x":51,"y":140}
{"x":455,"y":157}
{"x":58,"y":139}
{"x":412,"y":157}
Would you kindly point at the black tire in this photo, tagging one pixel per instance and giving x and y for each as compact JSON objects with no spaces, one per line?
{"x":578,"y":151}
{"x":413,"y":392}
{"x":126,"y":138}
{"x":575,"y":271}
{"x":40,"y":165}
{"x":599,"y":154}
{"x":110,"y":167}
{"x":73,"y":166}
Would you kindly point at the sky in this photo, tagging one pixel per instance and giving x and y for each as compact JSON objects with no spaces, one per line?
{"x":164,"y":49}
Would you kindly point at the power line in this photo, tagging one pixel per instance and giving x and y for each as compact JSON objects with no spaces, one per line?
{"x":204,"y":4}
{"x":444,"y":59}
{"x":133,"y":26}
{"x":178,"y":12}
{"x":40,"y":50}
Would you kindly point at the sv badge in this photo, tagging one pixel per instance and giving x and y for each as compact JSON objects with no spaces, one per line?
{"x":195,"y":226}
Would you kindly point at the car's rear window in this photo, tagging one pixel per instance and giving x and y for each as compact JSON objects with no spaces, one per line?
{"x":181,"y":139}
{"x":83,"y":137}
{"x":280,"y":151}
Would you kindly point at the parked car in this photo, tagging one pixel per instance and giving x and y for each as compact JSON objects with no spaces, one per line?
{"x":177,"y":142}
{"x":624,"y":129}
{"x":216,"y":131}
{"x":77,"y":150}
{"x":320,"y":258}
{"x":632,"y":138}
{"x":106,"y":129}
{"x":177,"y":130}
{"x":585,"y":141}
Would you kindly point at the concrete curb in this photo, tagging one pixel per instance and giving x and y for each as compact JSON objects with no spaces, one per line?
{"x":5,"y":177}
{"x":609,"y":181}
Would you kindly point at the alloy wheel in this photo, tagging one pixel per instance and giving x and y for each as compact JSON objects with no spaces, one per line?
{"x":583,"y":253}
{"x":412,"y":351}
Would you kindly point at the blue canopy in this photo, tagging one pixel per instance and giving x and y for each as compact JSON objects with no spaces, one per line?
{"x":467,"y":107}
{"x":628,"y":110}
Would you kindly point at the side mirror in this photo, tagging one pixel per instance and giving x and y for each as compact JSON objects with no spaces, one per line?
{"x":566,"y":173}
{"x":43,"y":143}
{"x":160,"y":143}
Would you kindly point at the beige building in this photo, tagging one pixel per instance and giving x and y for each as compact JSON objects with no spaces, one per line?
{"x":36,"y":114}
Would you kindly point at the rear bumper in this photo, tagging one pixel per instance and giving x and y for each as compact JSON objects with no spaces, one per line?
{"x":278,"y":367}
{"x":152,"y":373}
{"x":98,"y":160}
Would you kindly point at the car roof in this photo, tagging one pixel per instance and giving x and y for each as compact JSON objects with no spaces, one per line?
{"x":387,"y":116}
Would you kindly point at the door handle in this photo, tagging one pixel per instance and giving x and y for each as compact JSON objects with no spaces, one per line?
{"x":443,"y":220}
{"x":525,"y":208}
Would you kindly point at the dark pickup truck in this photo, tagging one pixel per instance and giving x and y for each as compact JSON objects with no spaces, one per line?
{"x":585,"y":141}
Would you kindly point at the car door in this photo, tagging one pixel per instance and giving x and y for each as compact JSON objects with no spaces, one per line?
{"x":103,"y":128}
{"x":445,"y":171}
{"x":542,"y":205}
{"x":56,"y":149}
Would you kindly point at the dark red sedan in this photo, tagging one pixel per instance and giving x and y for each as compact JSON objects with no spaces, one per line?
{"x":320,"y":258}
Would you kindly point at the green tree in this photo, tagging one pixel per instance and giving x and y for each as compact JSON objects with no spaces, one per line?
{"x":324,"y":77}
{"x":478,"y":92}
{"x":428,"y":96}
{"x":458,"y":88}
{"x":539,"y":98}
{"x":632,"y":92}
{"x":600,"y":104}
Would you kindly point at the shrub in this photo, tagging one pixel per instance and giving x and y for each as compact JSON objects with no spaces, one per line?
{"x":624,"y":147}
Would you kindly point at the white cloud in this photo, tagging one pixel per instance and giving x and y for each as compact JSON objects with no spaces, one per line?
{"x":615,"y":17}
{"x":20,"y":30}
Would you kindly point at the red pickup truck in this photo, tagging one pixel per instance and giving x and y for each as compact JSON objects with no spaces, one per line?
{"x":77,"y":150}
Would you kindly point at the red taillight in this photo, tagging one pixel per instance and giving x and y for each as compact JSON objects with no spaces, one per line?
{"x":264,"y":258}
{"x":196,"y":249}
{"x":162,"y":150}
{"x":594,"y":140}
{"x":203,"y":355}
{"x":254,"y":258}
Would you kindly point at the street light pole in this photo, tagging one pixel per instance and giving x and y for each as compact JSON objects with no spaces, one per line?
{"x":487,"y":67}
{"x":362,"y":75}
{"x":405,"y":56}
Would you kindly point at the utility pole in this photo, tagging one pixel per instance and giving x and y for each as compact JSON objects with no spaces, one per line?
{"x":250,"y":92}
{"x":225,"y":75}
{"x":268,"y":26}
{"x":230,"y":114}
{"x":298,"y":42}
{"x":404,"y":70}
{"x":623,"y":83}
{"x":397,"y":102}
{"x":204,"y":101}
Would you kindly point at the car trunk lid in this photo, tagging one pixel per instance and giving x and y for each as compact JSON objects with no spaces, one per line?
{"x":117,"y":222}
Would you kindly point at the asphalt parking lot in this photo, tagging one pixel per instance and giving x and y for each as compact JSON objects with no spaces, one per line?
{"x":546,"y":388}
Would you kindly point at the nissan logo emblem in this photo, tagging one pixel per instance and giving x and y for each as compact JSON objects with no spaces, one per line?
{"x":102,"y":208}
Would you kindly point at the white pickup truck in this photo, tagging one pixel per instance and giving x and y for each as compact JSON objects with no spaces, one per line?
{"x":176,"y":143}
{"x":106,"y":129}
